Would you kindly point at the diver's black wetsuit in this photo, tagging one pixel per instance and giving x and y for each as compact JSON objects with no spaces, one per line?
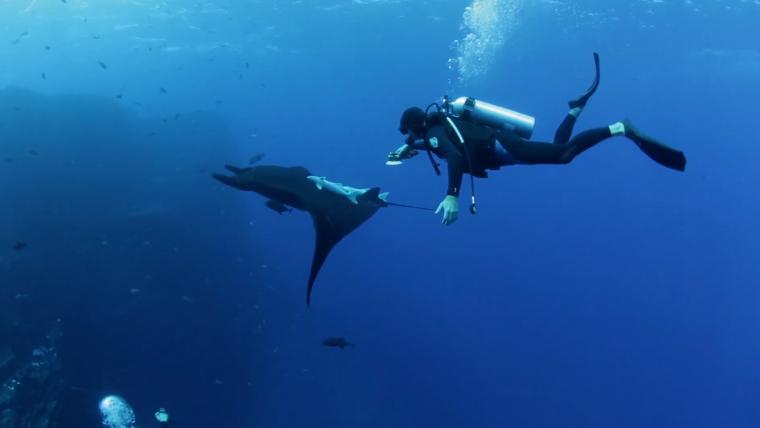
{"x":488,"y":148}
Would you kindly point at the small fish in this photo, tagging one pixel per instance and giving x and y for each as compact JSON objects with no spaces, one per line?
{"x":8,"y":160}
{"x":177,"y":116}
{"x":150,"y":134}
{"x":96,"y":37}
{"x":337,"y":342}
{"x":34,"y":152}
{"x":44,"y":76}
{"x":103,"y":65}
{"x":47,"y":47}
{"x":19,"y":246}
{"x":256,"y":158}
{"x":63,"y":1}
{"x":277,"y":206}
{"x":163,"y":90}
{"x":247,"y":66}
{"x":119,"y":96}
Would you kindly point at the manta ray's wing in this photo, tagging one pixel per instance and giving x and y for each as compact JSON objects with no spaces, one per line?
{"x":282,"y":184}
{"x":324,"y":243}
{"x":335,"y":216}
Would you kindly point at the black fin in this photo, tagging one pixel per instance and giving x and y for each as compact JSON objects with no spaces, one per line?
{"x":662,"y":154}
{"x":658,"y":152}
{"x":581,"y":102}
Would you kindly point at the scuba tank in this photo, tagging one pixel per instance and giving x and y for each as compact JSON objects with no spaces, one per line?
{"x":490,"y":115}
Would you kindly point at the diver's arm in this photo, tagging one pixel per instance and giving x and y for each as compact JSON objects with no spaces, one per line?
{"x":450,"y":204}
{"x":456,"y":167}
{"x":416,"y":144}
{"x":454,"y":159}
{"x":456,"y":171}
{"x":406,"y":151}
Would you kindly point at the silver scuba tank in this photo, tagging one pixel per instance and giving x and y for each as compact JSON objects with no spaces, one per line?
{"x":491,"y":115}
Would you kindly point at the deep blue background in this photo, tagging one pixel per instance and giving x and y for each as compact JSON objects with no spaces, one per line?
{"x":609,"y":292}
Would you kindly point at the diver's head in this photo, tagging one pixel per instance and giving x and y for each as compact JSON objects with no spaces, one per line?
{"x":413,"y":123}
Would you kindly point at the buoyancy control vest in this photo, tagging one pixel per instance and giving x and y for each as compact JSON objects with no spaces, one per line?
{"x":473,"y":123}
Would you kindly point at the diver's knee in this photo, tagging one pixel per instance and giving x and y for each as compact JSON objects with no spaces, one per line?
{"x":568,"y":154}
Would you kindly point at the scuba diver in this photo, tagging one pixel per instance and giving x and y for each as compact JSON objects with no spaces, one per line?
{"x":473,"y":136}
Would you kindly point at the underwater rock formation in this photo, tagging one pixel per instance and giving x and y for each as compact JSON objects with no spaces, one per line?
{"x":30,"y":386}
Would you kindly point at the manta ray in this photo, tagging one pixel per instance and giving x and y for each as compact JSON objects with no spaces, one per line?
{"x":336,"y":209}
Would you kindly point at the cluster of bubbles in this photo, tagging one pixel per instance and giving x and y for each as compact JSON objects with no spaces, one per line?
{"x":116,"y":412}
{"x":485,"y":26}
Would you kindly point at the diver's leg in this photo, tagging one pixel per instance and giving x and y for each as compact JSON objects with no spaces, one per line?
{"x":565,"y":129}
{"x":524,"y":151}
{"x":531,"y":152}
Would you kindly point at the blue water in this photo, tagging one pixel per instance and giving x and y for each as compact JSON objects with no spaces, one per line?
{"x":608,"y":292}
